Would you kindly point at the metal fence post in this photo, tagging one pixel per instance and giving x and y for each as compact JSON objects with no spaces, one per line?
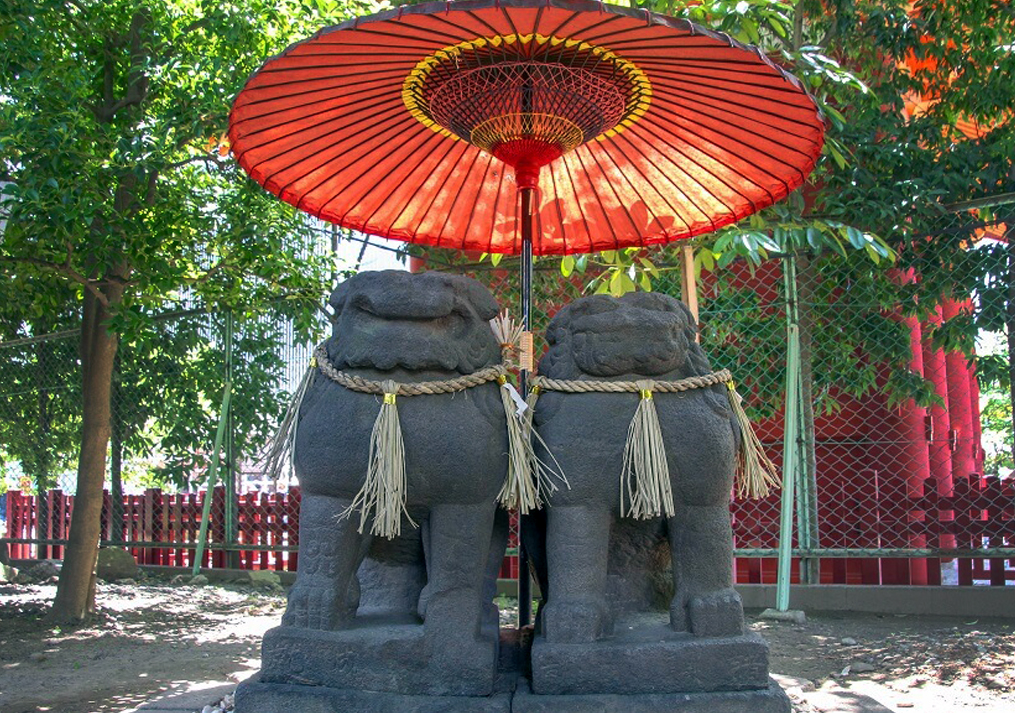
{"x":791,"y":445}
{"x":225,"y":421}
{"x":229,"y":477}
{"x":202,"y":539}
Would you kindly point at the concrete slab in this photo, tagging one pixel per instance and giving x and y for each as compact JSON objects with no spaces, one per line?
{"x":279,"y":698}
{"x":769,"y":700}
{"x":887,"y":599}
{"x":792,"y":616}
{"x":191,"y":698}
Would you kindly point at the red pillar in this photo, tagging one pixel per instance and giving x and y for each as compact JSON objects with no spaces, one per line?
{"x":915,"y":454}
{"x":960,"y":413}
{"x":936,"y":371}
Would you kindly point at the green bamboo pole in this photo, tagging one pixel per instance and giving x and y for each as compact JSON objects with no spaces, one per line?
{"x":805,"y":504}
{"x":229,"y":477}
{"x":202,"y":539}
{"x":224,"y":420}
{"x":790,"y":446}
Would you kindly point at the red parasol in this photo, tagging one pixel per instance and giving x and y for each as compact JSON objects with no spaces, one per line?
{"x":525,"y":126}
{"x":618,"y":127}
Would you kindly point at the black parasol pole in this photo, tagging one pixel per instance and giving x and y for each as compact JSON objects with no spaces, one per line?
{"x":526,"y":195}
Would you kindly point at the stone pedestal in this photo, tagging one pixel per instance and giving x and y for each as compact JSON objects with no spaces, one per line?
{"x":650,"y":659}
{"x":770,"y":699}
{"x":280,"y":698}
{"x":381,"y":669}
{"x":710,"y":670}
{"x":386,"y":658}
{"x":646,"y":667}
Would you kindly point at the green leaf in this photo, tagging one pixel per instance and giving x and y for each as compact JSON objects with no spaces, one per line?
{"x":567,"y":264}
{"x":873,"y":254}
{"x":855,"y":237}
{"x":839,"y":159}
{"x":813,"y":238}
{"x":649,"y":267}
{"x":704,"y":259}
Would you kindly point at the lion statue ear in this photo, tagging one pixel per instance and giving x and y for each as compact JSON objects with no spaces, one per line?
{"x":697,"y":363}
{"x":558,"y":343}
{"x":338,"y":297}
{"x":479,"y":298}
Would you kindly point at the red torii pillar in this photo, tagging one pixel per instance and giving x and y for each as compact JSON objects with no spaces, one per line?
{"x":939,"y":446}
{"x":915,"y":454}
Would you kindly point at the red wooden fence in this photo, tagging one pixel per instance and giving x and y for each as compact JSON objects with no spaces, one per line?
{"x":162,"y":528}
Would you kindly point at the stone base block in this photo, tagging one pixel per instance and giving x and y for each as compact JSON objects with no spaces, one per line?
{"x":392,"y":658}
{"x":650,"y":658}
{"x":770,"y":699}
{"x":282,"y":698}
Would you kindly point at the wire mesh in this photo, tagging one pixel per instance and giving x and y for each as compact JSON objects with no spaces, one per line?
{"x":907,"y":475}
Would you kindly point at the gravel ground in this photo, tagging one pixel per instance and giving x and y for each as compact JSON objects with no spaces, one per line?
{"x":153,"y":638}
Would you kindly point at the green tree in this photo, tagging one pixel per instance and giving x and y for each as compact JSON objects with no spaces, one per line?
{"x":40,"y":391}
{"x":117,"y":185}
{"x":998,"y":440}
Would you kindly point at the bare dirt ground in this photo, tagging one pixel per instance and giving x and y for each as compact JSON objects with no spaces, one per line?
{"x":153,"y":638}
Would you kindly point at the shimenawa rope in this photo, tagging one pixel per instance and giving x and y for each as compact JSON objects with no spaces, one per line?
{"x":383,"y":495}
{"x":645,"y":489}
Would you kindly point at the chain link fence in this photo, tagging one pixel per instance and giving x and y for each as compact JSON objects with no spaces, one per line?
{"x":904,"y":442}
{"x":167,"y":401}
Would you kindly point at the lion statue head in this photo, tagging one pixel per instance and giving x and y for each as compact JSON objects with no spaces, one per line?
{"x":641,"y":334}
{"x":418,"y":322}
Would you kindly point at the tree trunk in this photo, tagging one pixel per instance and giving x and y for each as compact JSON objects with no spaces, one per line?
{"x":75,"y":593}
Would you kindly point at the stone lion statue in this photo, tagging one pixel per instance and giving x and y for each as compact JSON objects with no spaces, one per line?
{"x":597,"y":564}
{"x":406,"y":328}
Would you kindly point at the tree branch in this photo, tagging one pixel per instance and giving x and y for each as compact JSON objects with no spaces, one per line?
{"x":195,"y":25}
{"x":73,"y":18}
{"x":205,"y":157}
{"x":137,"y":79}
{"x":150,"y":194}
{"x":62,"y":269}
{"x":833,"y":29}
{"x":798,"y":26}
{"x":208,"y":274}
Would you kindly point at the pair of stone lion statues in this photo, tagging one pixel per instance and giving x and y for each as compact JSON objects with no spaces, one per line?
{"x":593,"y":565}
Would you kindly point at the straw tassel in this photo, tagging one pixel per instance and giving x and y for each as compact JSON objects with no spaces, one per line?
{"x":544,"y":473}
{"x":530,"y":481}
{"x":283,"y":443}
{"x":757,"y":476}
{"x":645,"y":479}
{"x":519,"y":491}
{"x":384,"y":492}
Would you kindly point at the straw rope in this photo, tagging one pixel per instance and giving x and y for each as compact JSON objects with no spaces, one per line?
{"x":382,"y":499}
{"x":644,"y":480}
{"x":573,"y":386}
{"x":422,"y":388}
